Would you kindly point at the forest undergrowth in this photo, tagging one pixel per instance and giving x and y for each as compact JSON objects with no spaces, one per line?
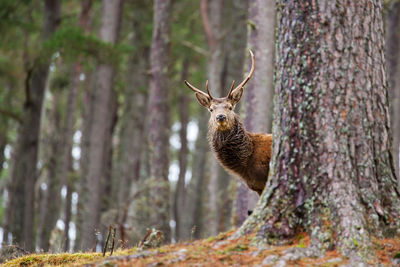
{"x":214,"y":251}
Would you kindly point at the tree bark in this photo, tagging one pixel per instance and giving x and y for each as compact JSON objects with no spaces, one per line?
{"x":24,"y":173}
{"x":159,"y":116}
{"x":393,"y":58}
{"x":100,"y":127}
{"x":332,"y":172}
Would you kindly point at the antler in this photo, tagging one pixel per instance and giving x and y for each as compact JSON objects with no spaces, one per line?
{"x":199,"y":91}
{"x":248,"y":76}
{"x":208,"y":91}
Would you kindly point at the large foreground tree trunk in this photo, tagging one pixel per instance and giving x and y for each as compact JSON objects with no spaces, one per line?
{"x":24,"y":172}
{"x":393,"y":56}
{"x":332,"y":172}
{"x":159,"y":116}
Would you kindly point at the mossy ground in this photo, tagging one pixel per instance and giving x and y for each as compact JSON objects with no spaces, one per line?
{"x":214,"y":251}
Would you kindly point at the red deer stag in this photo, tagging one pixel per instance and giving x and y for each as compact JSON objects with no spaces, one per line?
{"x":239,"y":151}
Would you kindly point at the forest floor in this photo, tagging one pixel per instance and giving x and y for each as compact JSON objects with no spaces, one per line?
{"x":214,"y":251}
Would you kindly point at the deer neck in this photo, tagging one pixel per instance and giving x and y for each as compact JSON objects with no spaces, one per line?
{"x":232,"y":147}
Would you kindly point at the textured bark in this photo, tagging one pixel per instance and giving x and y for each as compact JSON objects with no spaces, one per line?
{"x":159,"y":116}
{"x":393,"y":58}
{"x":259,"y":92}
{"x":101,"y":110}
{"x":24,"y":173}
{"x":179,"y":204}
{"x":332,"y":172}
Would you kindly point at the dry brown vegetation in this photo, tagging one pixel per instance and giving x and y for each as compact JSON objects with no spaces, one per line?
{"x":214,"y":251}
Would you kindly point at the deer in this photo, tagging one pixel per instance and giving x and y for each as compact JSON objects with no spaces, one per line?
{"x":240,"y":152}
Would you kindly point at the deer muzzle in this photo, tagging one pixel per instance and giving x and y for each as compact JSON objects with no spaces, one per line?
{"x":221,"y":118}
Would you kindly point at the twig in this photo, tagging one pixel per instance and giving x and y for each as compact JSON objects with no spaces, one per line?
{"x":195,"y":48}
{"x":11,"y":115}
{"x":113,"y":241}
{"x":108,"y":238}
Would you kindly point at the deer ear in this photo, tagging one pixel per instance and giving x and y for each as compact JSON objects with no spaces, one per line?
{"x":203,"y":99}
{"x":236,"y":95}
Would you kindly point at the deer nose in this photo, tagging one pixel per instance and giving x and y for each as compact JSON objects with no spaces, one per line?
{"x":221,"y":117}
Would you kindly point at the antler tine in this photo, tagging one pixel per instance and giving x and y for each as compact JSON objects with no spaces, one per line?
{"x":208,"y":91}
{"x":195,"y":89}
{"x":230,"y":91}
{"x":248,"y":76}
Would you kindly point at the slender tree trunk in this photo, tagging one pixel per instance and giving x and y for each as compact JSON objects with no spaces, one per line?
{"x":84,"y":160}
{"x":3,"y":143}
{"x":258,"y":95}
{"x":68,"y":206}
{"x":24,"y":173}
{"x":134,"y":108}
{"x":179,"y":206}
{"x":100,"y":127}
{"x":234,"y":22}
{"x":224,"y":65}
{"x":50,"y":210}
{"x":332,"y":172}
{"x":212,"y":21}
{"x":393,"y":56}
{"x":159,"y":116}
{"x":199,"y":178}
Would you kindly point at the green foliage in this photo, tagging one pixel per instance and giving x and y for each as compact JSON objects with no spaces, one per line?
{"x":71,"y":42}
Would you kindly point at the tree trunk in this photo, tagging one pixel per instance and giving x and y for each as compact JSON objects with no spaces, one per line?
{"x":332,"y":172}
{"x":100,"y":127}
{"x":67,"y":209}
{"x":134,"y":108}
{"x":258,"y":95}
{"x":198,"y":185}
{"x":393,"y":56}
{"x":225,"y":27}
{"x":234,"y":47}
{"x":84,"y":159}
{"x":24,"y":173}
{"x":50,"y":210}
{"x":212,"y":16}
{"x":159,"y":116}
{"x":179,"y":206}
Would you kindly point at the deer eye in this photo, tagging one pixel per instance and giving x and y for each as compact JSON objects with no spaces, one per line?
{"x":230,"y":108}
{"x":211,"y":110}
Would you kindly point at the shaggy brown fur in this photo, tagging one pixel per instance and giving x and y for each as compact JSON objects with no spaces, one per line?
{"x":243,"y":153}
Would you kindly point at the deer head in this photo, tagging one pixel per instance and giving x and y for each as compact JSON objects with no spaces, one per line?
{"x":222,"y":109}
